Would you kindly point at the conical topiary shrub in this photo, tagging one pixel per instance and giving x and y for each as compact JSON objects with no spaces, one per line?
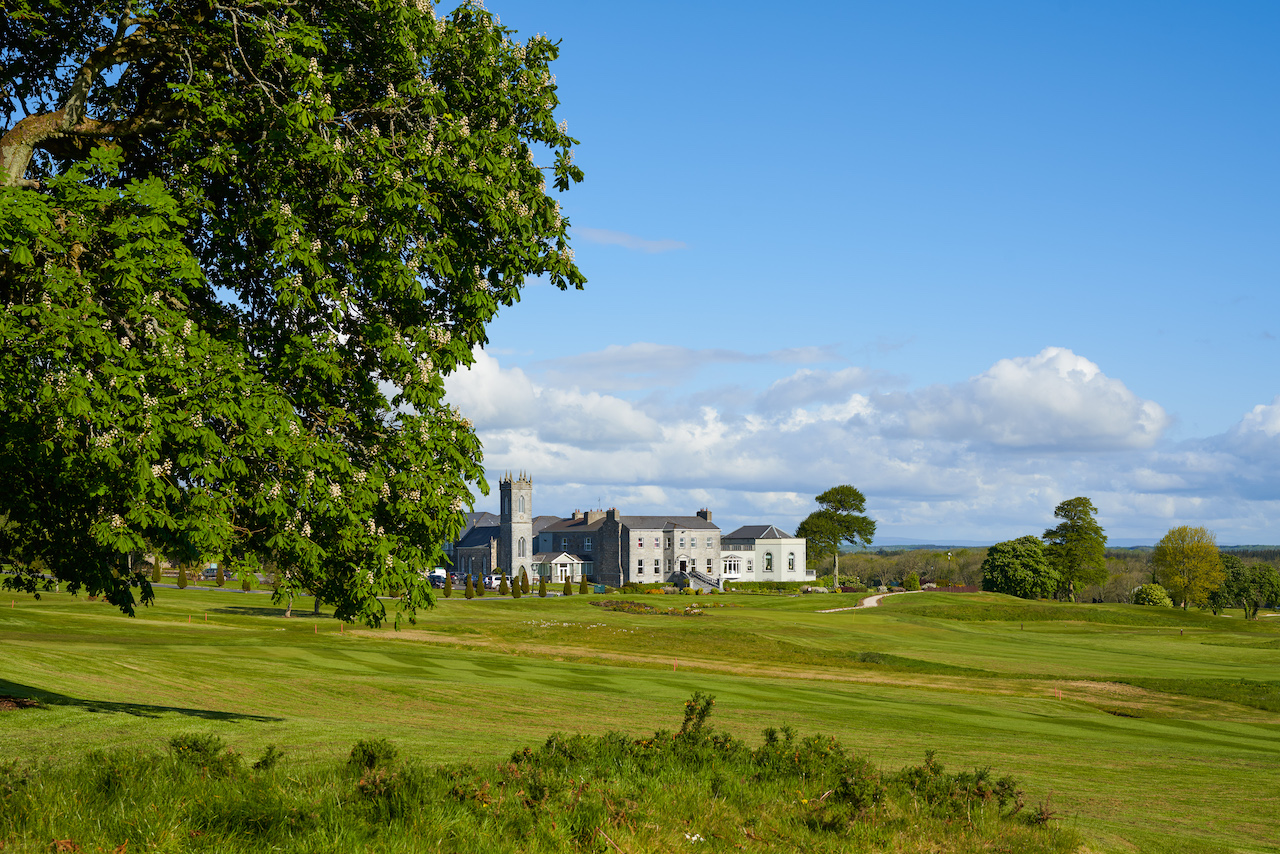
{"x":155,"y":571}
{"x":182,"y":577}
{"x":222,"y":578}
{"x":542,"y":586}
{"x":448,"y":586}
{"x":524,"y":581}
{"x":582,"y":587}
{"x":471,"y":589}
{"x":568,"y":587}
{"x":503,"y":588}
{"x":515,"y":589}
{"x":480,"y":586}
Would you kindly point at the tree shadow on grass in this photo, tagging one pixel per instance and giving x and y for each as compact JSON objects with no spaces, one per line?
{"x":299,"y":612}
{"x":142,"y":710}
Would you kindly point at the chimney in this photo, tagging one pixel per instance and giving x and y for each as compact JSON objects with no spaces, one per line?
{"x":704,"y":514}
{"x":577,"y":514}
{"x":612,"y":514}
{"x":594,"y":516}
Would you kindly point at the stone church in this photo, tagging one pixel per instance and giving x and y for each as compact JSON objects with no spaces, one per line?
{"x":608,"y":547}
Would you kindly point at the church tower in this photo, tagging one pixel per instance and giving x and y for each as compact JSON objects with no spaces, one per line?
{"x":515,"y":548}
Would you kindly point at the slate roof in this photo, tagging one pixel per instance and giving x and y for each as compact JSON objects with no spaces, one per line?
{"x":480,"y":535}
{"x":540,"y":523}
{"x":758,"y":532}
{"x":559,"y":557}
{"x":668,"y":523}
{"x":574,"y":525}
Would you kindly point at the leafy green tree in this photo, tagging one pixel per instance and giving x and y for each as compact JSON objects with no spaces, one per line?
{"x":1019,"y":568}
{"x":1186,"y":562}
{"x":839,"y":520}
{"x":1152,"y":594}
{"x":1250,"y":588}
{"x":1077,"y":547}
{"x":911,"y":582}
{"x":244,"y":581}
{"x":241,"y":245}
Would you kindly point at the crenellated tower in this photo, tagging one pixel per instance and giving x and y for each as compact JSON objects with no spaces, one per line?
{"x":515,"y":548}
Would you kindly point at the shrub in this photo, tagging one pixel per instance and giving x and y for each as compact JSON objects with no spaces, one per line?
{"x":568,"y":587}
{"x":911,"y":582}
{"x":205,"y":751}
{"x":371,"y":753}
{"x":1152,"y":594}
{"x":582,"y":587}
{"x":503,"y":588}
{"x":542,"y":586}
{"x":269,"y":758}
{"x":515,"y":589}
{"x":221,"y":577}
{"x":524,"y":581}
{"x":448,"y":586}
{"x":155,"y":571}
{"x":182,"y":578}
{"x":471,"y":588}
{"x":244,"y":583}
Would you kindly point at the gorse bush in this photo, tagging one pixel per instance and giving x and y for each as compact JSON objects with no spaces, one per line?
{"x":206,"y":752}
{"x":573,"y":793}
{"x":368,"y":754}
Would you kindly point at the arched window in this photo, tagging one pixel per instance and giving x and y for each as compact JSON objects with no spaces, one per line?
{"x":521,"y":554}
{"x":768,"y":561}
{"x":522,"y":504}
{"x":791,"y":562}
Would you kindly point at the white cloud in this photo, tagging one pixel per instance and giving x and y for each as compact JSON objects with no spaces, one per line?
{"x":988,"y":457}
{"x":1054,"y":399}
{"x":627,"y":241}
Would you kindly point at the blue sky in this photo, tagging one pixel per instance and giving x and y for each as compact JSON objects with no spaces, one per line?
{"x":972,"y":258}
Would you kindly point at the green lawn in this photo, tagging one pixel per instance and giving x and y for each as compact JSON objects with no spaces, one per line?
{"x":1134,"y":722}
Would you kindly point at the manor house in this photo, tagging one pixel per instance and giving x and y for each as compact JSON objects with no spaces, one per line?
{"x":608,"y":547}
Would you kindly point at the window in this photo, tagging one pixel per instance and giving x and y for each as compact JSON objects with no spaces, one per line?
{"x":506,"y":504}
{"x":749,"y":563}
{"x":668,"y":564}
{"x":655,"y":542}
{"x":586,"y":544}
{"x":640,"y":542}
{"x":708,"y":565}
{"x":564,"y":544}
{"x":791,"y":562}
{"x":709,"y":541}
{"x":640,"y":566}
{"x":522,"y":547}
{"x":668,"y":542}
{"x":522,"y":504}
{"x":768,"y":561}
{"x":732,"y":565}
{"x":682,"y":542}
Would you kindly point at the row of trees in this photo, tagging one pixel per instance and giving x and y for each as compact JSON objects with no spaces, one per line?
{"x":515,"y":589}
{"x":1186,"y":563}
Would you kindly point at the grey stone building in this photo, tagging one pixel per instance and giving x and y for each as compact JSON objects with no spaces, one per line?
{"x":611,"y":548}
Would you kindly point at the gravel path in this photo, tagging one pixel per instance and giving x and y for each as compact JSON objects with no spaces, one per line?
{"x":869,"y":602}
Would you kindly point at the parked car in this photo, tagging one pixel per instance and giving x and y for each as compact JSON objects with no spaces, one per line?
{"x":437,"y":581}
